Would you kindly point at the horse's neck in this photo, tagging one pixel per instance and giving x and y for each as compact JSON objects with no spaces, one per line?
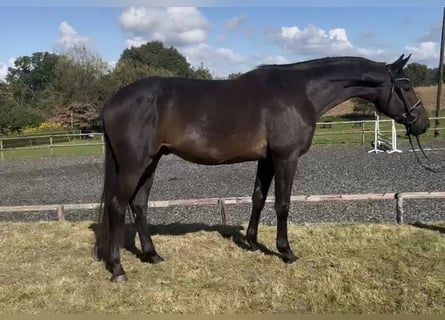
{"x":326,"y":92}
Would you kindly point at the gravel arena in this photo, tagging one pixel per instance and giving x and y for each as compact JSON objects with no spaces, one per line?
{"x":323,"y":170}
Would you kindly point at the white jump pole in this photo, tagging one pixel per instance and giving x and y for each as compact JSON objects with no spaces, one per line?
{"x":379,"y":138}
{"x":394,"y":139}
{"x":376,"y":135}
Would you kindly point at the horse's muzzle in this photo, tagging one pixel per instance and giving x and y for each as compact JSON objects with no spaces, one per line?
{"x":418,"y":127}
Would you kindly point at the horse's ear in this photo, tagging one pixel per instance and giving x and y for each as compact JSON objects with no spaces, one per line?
{"x":406,"y":59}
{"x":399,"y":64}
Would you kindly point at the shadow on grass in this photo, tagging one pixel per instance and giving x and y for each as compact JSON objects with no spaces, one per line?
{"x":431,"y":227}
{"x":232,"y":233}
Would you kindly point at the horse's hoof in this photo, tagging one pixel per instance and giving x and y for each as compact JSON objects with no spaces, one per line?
{"x":252,"y":244}
{"x":119,"y":278}
{"x":288,"y":256}
{"x":153,"y":258}
{"x":290,"y":259}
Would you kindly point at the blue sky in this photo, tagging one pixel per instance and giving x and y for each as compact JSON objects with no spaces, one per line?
{"x":227,"y":39}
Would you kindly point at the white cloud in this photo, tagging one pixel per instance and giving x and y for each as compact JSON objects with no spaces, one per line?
{"x":4,"y":68}
{"x":135,"y":42}
{"x":259,"y":59}
{"x":314,"y":41}
{"x":69,"y":37}
{"x":275,"y":60}
{"x":220,"y":61}
{"x":370,"y":52}
{"x":187,"y":30}
{"x":3,"y":71}
{"x":174,"y":26}
{"x":425,"y":52}
{"x":235,"y":22}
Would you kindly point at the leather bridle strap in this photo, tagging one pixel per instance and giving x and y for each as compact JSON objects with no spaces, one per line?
{"x":407,"y":117}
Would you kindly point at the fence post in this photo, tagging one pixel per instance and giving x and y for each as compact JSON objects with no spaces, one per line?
{"x":61,"y":213}
{"x":222,"y":208}
{"x":363,"y":132}
{"x":399,"y":208}
{"x":2,"y":156}
{"x":103,"y":143}
{"x":51,"y":145}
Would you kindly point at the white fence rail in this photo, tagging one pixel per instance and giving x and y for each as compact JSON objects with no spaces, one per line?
{"x":223,"y":202}
{"x":50,"y":141}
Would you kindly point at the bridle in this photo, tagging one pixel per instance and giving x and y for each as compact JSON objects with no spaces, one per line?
{"x":407,"y":118}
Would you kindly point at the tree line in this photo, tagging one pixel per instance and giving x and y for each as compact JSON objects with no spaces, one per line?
{"x":73,"y":85}
{"x":421,"y":75}
{"x":70,"y":88}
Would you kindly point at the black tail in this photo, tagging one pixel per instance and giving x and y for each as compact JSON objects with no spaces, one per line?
{"x":110,"y":182}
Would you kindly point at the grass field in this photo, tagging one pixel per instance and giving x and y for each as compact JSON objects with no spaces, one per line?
{"x":73,"y":148}
{"x":47,"y":267}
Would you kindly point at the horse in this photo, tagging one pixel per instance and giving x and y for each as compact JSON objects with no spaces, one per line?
{"x":267,"y":115}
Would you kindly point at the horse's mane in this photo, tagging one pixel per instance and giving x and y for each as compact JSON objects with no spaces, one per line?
{"x":313,"y":63}
{"x":302,"y":65}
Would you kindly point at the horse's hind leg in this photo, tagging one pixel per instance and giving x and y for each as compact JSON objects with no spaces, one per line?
{"x":127,"y":183}
{"x":264,"y":175}
{"x":139,"y":206}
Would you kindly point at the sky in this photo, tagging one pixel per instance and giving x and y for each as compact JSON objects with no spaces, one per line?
{"x":225,"y":39}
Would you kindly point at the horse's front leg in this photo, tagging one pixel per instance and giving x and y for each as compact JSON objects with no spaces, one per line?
{"x":284,"y":176}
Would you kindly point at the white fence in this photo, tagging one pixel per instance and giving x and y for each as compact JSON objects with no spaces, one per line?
{"x":50,"y":142}
{"x":223,"y":202}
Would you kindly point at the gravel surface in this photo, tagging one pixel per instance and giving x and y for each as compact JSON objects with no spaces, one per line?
{"x":323,"y":170}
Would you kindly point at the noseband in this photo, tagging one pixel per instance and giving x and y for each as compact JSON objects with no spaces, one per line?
{"x":407,"y":117}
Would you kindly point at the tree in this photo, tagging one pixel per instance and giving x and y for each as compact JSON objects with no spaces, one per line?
{"x":434,"y":76}
{"x":78,"y":87}
{"x":202,"y":73}
{"x":125,"y":73}
{"x":30,"y":75}
{"x":83,"y":114}
{"x":78,"y":76}
{"x":363,"y":107}
{"x":155,"y":55}
{"x":419,"y":74}
{"x":12,"y":116}
{"x":234,"y":75}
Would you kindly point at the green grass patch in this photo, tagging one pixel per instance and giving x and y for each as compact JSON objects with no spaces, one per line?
{"x":47,"y":267}
{"x":64,"y":149}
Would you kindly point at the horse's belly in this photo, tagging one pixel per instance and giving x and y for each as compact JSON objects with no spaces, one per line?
{"x":212,"y":144}
{"x":219,"y":153}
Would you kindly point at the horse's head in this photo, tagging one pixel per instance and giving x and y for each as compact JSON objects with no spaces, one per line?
{"x":399,"y":101}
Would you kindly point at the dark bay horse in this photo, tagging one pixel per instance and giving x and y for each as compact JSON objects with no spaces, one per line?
{"x":267,"y":115}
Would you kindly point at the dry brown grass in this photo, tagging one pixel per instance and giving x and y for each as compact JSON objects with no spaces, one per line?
{"x":428,"y":95}
{"x":47,"y":267}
